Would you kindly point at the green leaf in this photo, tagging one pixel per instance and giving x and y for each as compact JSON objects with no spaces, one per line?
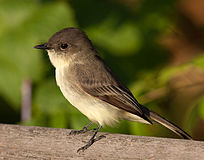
{"x":123,"y":40}
{"x":18,"y":59}
{"x":13,"y":13}
{"x":199,"y":61}
{"x":48,"y":97}
{"x":201,"y":107}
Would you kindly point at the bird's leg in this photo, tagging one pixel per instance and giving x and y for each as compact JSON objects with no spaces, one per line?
{"x":92,"y":140}
{"x":83,"y":130}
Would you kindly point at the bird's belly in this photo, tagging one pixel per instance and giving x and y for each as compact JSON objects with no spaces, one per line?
{"x":95,"y":109}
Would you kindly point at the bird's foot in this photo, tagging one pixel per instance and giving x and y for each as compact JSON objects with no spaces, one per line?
{"x":83,"y":130}
{"x":90,"y":142}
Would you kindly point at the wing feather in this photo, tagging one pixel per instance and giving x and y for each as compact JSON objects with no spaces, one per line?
{"x":103,"y":84}
{"x":114,"y":95}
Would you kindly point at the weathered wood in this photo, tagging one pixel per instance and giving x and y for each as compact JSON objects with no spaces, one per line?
{"x":29,"y":143}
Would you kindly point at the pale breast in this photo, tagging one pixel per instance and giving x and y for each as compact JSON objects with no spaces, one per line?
{"x":96,"y":110}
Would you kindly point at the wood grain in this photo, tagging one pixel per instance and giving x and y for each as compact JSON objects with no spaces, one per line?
{"x":29,"y":143}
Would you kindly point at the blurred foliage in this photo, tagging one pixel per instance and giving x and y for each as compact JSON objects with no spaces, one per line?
{"x":126,"y":37}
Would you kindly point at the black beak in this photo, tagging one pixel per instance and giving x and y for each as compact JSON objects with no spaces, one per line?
{"x":42,"y":46}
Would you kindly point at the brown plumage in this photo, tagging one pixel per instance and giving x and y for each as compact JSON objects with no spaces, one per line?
{"x":89,"y":84}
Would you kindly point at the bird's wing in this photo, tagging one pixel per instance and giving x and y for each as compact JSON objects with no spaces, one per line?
{"x":114,"y":95}
{"x":109,"y":89}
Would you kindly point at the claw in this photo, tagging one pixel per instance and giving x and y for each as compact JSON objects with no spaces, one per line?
{"x":84,"y":130}
{"x":90,"y":142}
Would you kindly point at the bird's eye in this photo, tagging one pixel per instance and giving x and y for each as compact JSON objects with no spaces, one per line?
{"x":63,"y":46}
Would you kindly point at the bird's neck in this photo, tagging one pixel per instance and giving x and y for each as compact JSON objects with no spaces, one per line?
{"x":59,"y":61}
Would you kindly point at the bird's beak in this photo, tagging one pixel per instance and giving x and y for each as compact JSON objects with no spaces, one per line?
{"x":42,"y":46}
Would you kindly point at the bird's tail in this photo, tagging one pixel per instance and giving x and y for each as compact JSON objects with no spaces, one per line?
{"x":154,"y":116}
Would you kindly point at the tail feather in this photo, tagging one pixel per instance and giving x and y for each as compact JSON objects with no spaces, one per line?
{"x":154,"y":116}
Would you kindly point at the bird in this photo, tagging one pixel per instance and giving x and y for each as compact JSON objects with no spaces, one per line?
{"x":90,"y":85}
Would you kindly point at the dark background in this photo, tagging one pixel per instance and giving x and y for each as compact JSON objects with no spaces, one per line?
{"x":155,"y":48}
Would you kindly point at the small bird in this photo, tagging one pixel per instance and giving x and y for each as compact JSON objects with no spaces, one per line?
{"x":89,"y":84}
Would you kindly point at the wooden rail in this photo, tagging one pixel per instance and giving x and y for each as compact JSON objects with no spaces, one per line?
{"x":31,"y":143}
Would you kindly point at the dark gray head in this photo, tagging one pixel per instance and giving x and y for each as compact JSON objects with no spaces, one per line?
{"x":65,"y":44}
{"x":67,"y":39}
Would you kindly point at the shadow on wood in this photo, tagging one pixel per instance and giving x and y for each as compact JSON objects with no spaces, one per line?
{"x":23,"y":142}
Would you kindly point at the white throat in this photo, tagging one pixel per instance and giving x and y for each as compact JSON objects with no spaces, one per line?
{"x":59,"y":60}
